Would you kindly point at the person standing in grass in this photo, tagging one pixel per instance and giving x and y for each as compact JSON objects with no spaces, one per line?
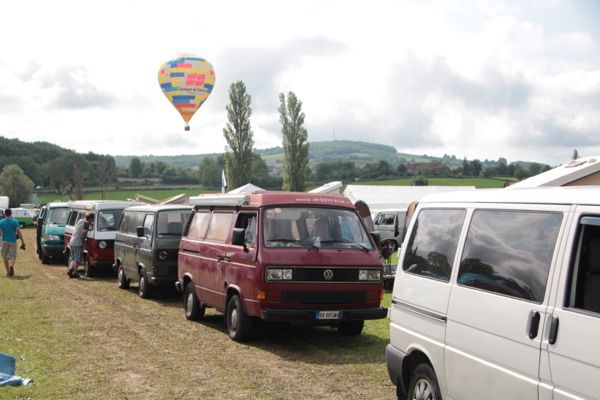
{"x":76,"y":244}
{"x":9,"y":228}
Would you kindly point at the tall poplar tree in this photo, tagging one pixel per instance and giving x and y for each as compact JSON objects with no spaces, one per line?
{"x":295,"y":145}
{"x":239,"y":136}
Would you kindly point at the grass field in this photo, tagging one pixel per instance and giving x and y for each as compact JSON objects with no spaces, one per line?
{"x":158,"y":194}
{"x":479,"y":183}
{"x":87,"y":339}
{"x":161,"y":194}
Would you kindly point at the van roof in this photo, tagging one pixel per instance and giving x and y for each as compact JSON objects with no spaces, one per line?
{"x":270,"y":198}
{"x":94,"y":205}
{"x":583,"y":195}
{"x":159,"y":207}
{"x":57,"y":204}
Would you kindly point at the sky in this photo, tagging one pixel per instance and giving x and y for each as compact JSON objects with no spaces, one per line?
{"x":476,"y":79}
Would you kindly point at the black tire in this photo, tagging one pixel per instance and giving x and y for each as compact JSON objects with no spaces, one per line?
{"x":423,"y":384}
{"x":88,"y":269}
{"x":239,"y":325}
{"x":350,"y":328}
{"x":144,"y":287}
{"x":44,"y":257}
{"x":194,"y":309}
{"x":122,"y":278}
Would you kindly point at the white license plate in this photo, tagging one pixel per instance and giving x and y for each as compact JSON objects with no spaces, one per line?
{"x":328,"y":315}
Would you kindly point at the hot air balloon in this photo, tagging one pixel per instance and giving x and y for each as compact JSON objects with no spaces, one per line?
{"x":186,"y":81}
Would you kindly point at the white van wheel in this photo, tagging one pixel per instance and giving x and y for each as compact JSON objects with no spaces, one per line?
{"x":423,"y":384}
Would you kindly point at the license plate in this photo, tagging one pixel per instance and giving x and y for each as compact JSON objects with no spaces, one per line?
{"x":328,"y":315}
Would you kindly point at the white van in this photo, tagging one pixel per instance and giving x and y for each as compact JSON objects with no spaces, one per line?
{"x":497,"y":296}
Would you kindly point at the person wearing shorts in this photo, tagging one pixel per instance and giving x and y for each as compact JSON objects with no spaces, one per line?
{"x":9,"y":228}
{"x":76,"y":244}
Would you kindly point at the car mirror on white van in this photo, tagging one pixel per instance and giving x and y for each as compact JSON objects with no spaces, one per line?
{"x":140,"y":231}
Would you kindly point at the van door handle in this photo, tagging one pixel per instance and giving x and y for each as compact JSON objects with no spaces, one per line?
{"x":223,"y":258}
{"x":552,"y":336}
{"x":534,"y":324}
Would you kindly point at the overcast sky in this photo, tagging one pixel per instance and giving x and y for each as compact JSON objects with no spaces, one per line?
{"x":477,"y":79}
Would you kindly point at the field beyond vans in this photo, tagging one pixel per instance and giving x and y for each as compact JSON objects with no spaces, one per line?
{"x":87,"y":339}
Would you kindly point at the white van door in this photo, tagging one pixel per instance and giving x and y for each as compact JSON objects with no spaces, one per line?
{"x":573,"y":328}
{"x":498,"y":302}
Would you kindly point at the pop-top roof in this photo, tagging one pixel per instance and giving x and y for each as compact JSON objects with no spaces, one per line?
{"x":94,"y":205}
{"x":269,"y":199}
{"x":562,"y":175}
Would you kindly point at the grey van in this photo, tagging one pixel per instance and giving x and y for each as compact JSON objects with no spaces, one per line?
{"x":146,"y":245}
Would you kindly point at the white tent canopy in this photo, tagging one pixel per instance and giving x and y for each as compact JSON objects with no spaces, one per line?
{"x":247,"y":188}
{"x":328,"y":188}
{"x":394,"y":197}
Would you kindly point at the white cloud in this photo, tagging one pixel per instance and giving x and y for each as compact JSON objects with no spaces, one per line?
{"x":482,"y":79}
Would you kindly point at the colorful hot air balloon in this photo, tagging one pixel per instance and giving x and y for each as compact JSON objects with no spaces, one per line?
{"x":186,"y":81}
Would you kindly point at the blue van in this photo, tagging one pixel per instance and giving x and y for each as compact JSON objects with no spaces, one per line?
{"x":51,"y":230}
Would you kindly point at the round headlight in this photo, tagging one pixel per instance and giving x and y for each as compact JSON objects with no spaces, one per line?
{"x":102,"y":244}
{"x":162,"y":255}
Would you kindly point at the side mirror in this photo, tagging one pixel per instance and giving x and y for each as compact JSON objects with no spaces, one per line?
{"x":376,"y":237}
{"x":140,"y":231}
{"x":238,"y":238}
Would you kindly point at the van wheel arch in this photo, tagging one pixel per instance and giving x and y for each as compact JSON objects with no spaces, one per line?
{"x":411,"y":362}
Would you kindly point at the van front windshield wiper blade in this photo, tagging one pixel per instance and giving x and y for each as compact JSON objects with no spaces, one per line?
{"x":354,"y":244}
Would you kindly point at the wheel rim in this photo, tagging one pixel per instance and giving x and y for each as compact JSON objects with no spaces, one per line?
{"x":121,"y":280}
{"x":142,"y":284}
{"x":423,"y":391}
{"x":234,"y":319}
{"x":189,"y":304}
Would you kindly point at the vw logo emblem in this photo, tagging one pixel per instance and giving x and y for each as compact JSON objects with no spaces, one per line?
{"x":328,"y":274}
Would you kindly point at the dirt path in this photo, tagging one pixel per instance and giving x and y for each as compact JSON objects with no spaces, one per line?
{"x":86,"y":338}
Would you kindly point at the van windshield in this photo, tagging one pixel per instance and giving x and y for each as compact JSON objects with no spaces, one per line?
{"x":108,"y":220}
{"x":172,"y":222}
{"x":58,"y":216}
{"x":316,"y":227}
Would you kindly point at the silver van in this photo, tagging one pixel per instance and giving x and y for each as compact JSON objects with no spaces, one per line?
{"x":146,"y":246}
{"x":497,"y":296}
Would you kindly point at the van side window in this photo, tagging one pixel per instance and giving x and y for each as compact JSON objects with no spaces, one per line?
{"x":199,"y":224}
{"x":219,"y":227}
{"x":585,"y":280}
{"x":509,"y":252}
{"x":72,"y":218}
{"x":172,"y":222}
{"x":432,"y":246}
{"x":248,"y":222}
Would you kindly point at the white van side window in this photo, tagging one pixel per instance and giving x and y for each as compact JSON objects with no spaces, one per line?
{"x":432,"y":246}
{"x":219,"y":227}
{"x":509,"y":252}
{"x":585,"y":270}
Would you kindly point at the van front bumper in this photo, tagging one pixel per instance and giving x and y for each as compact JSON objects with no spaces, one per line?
{"x":362,"y":314}
{"x":394,"y":359}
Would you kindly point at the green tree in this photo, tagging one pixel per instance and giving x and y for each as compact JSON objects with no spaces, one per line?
{"x":106,"y":171}
{"x":295,"y":145}
{"x":15,"y":184}
{"x":67,"y":174}
{"x":502,"y":167}
{"x":135,"y":167}
{"x":209,"y":172}
{"x":475,"y":167}
{"x":239,"y":136}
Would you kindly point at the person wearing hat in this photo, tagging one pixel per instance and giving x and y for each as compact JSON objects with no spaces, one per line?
{"x":9,"y":228}
{"x":77,"y":243}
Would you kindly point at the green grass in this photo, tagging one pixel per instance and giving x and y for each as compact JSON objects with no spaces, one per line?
{"x":479,"y":183}
{"x":158,"y":194}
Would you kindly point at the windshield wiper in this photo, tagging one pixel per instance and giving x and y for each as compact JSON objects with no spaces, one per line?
{"x":363,"y":247}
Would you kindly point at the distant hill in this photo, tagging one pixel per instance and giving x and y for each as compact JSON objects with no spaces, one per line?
{"x":325,"y":151}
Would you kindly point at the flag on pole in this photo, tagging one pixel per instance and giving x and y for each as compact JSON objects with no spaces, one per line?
{"x":223,"y":181}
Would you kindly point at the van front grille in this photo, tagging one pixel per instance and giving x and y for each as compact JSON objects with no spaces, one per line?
{"x":318,"y":274}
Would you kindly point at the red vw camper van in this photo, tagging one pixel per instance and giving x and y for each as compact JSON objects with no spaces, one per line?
{"x":295,"y":257}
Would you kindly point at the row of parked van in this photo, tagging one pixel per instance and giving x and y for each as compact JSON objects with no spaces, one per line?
{"x":294,"y":257}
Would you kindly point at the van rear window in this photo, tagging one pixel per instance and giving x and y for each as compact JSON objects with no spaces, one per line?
{"x":509,"y":252}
